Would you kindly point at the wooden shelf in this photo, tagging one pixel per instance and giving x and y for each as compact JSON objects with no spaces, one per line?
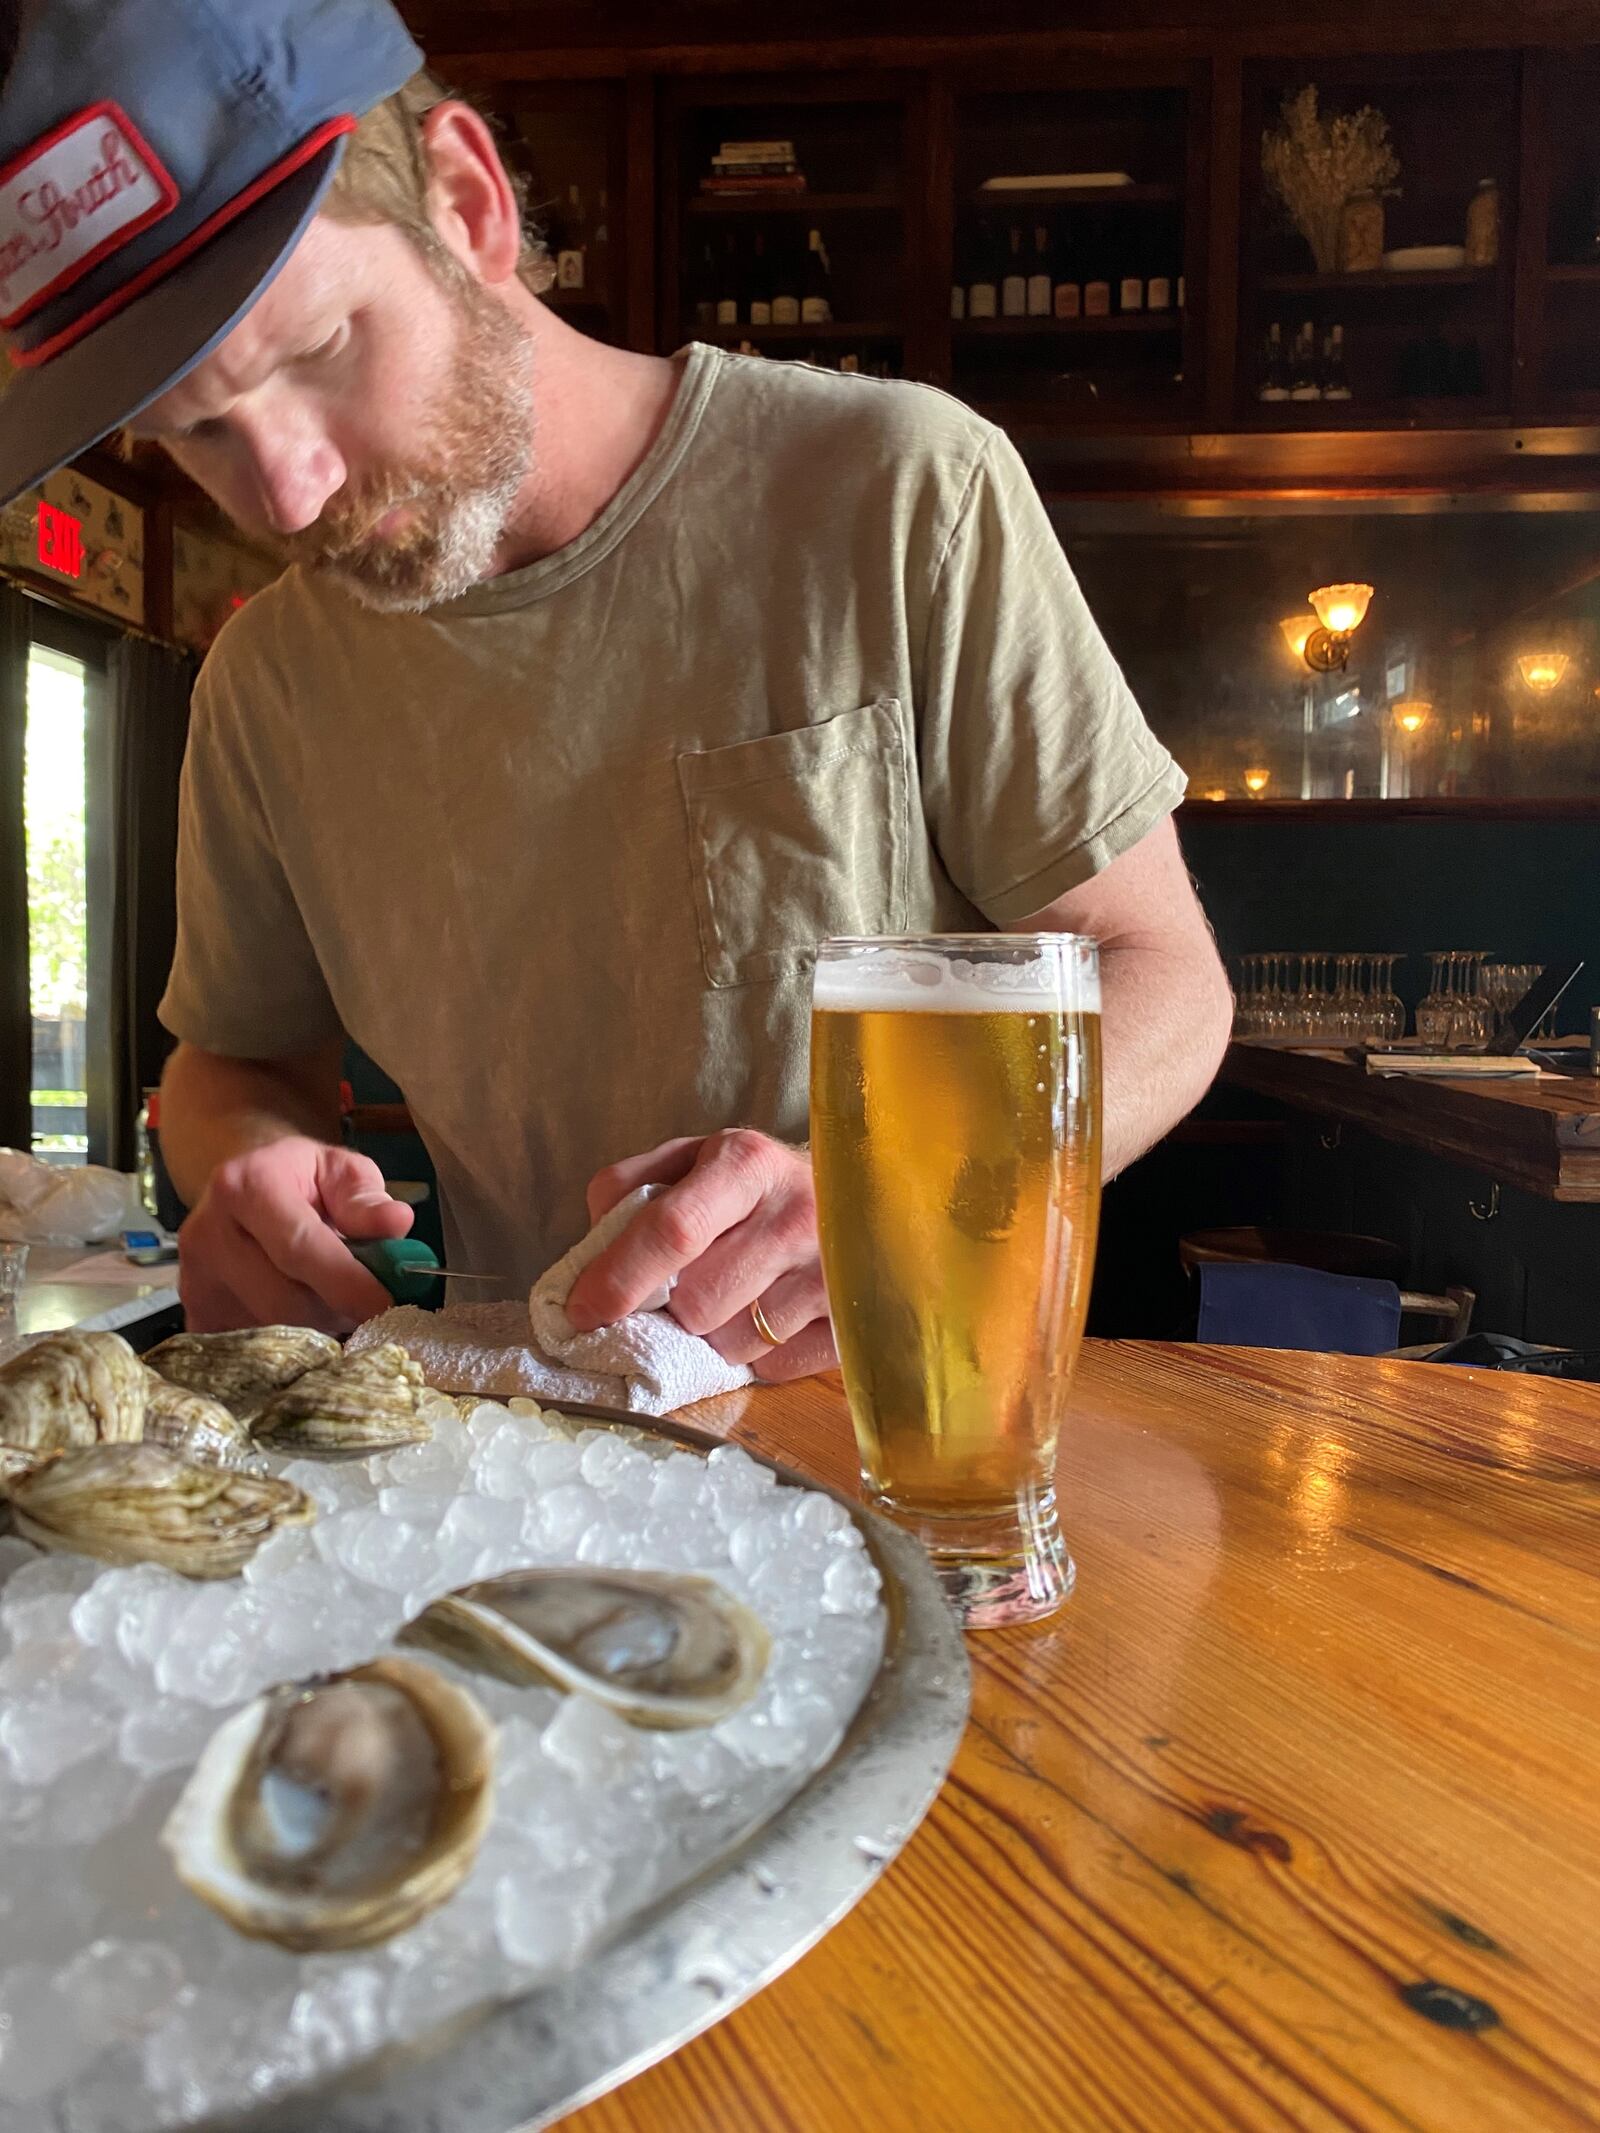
{"x":1466,"y":413}
{"x":1087,"y":196}
{"x":1575,"y":270}
{"x":1062,"y":329}
{"x":1357,"y":284}
{"x":838,"y":329}
{"x":795,"y":204}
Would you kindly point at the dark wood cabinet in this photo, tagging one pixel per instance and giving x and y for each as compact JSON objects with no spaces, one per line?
{"x":901,"y":152}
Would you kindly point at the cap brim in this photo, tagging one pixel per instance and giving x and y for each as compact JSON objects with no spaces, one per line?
{"x":49,"y":415}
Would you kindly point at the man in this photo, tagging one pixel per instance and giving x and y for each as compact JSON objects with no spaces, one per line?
{"x":602,"y":687}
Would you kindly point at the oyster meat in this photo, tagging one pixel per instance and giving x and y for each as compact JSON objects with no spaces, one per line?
{"x":242,"y":1369}
{"x":661,"y":1651}
{"x":373,"y":1402}
{"x":137,"y":1503}
{"x":335,"y":1812}
{"x":72,"y":1388}
{"x":195,"y":1427}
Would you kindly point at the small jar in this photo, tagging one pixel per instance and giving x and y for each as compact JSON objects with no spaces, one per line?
{"x":1483,"y":225}
{"x":1361,"y":234}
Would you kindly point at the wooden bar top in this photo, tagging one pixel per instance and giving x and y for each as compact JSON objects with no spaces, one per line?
{"x":1289,"y":1819}
{"x":1541,"y":1134}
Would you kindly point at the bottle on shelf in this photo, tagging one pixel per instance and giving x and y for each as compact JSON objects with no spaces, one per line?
{"x":1304,"y":383}
{"x":728,"y":283}
{"x":1041,"y":285}
{"x":1483,"y":225}
{"x":786,"y":285}
{"x":816,"y":297}
{"x":1130,"y":287}
{"x":1014,"y":285}
{"x":760,"y":283}
{"x":1335,"y":377}
{"x":1182,"y":301}
{"x":570,"y":258}
{"x":1274,"y":383}
{"x":1097,"y":298}
{"x":705,"y":291}
{"x":1067,"y":299}
{"x":983,"y":291}
{"x":1158,"y":293}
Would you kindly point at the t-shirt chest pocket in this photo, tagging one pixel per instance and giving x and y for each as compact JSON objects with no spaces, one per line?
{"x":796,"y":836}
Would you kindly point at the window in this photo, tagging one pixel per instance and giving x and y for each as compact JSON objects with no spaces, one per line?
{"x":55,"y":790}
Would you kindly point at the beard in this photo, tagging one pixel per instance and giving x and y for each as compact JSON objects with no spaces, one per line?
{"x":455,"y":497}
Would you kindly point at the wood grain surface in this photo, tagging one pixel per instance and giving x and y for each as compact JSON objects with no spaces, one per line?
{"x":1291,"y":1817}
{"x":1543,"y":1134}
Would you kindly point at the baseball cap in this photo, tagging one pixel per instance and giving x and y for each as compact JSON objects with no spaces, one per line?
{"x":159,"y":161}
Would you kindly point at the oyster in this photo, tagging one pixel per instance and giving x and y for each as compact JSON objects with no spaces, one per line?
{"x":72,"y":1388}
{"x":195,"y":1427}
{"x":245,"y":1368}
{"x":662,"y":1651}
{"x":136,"y":1503}
{"x":335,"y":1812}
{"x":372,"y":1402}
{"x":19,"y":1459}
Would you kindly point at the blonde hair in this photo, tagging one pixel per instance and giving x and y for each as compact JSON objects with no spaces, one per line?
{"x":384,"y":175}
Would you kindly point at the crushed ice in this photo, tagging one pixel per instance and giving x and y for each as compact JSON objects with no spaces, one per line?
{"x":126,"y":2005}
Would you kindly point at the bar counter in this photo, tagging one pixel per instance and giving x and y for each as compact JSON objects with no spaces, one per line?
{"x":1542,"y":1135}
{"x":1287,"y":1820}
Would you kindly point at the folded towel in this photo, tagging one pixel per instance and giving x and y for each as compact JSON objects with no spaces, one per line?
{"x":646,"y":1363}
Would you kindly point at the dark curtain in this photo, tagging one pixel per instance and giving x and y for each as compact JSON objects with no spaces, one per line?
{"x":16,"y":1015}
{"x":148,"y":724}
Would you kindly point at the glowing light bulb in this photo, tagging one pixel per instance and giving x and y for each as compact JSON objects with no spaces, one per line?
{"x":1257,"y":780}
{"x":1411,"y":717}
{"x":1543,"y":671}
{"x":1341,"y":608}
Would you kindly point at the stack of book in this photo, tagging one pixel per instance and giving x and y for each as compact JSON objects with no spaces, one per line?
{"x":754,"y":167}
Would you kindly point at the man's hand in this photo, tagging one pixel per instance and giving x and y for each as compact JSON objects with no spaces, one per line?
{"x":263,"y":1247}
{"x":737,"y":1225}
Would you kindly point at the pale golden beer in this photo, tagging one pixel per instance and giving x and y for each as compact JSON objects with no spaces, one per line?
{"x":955,"y":1140}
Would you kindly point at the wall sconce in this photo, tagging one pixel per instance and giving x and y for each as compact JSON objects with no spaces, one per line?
{"x":1341,"y":610}
{"x":1543,"y":671}
{"x":1413,"y":715}
{"x":1297,"y":630}
{"x":1257,"y":780}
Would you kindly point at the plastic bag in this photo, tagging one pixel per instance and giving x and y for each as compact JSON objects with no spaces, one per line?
{"x":47,"y":1203}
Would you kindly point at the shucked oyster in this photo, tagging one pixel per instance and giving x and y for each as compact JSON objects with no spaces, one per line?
{"x":335,"y":1812}
{"x":135,"y":1503}
{"x":73,"y":1388}
{"x":372,"y":1402}
{"x":662,"y":1651}
{"x":195,"y":1427}
{"x":245,"y":1368}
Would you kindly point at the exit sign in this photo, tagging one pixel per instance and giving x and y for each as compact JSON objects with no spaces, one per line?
{"x":60,"y":540}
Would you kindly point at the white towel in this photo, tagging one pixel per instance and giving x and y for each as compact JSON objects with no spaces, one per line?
{"x":646,"y":1363}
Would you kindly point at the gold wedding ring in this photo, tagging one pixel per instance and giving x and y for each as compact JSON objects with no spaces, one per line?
{"x":758,"y":1318}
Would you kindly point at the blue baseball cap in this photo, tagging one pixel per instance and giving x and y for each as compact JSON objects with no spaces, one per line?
{"x":159,"y":161}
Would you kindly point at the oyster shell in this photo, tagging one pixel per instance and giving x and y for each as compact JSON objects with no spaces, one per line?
{"x":335,"y":1812}
{"x":372,"y":1402}
{"x":19,"y":1459}
{"x":242,"y":1369}
{"x":137,"y":1503}
{"x":195,"y":1427}
{"x":72,"y":1388}
{"x":662,"y":1651}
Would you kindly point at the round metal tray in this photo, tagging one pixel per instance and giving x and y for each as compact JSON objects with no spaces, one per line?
{"x":692,"y":1958}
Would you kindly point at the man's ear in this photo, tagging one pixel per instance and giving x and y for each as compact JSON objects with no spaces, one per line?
{"x":470,"y":198}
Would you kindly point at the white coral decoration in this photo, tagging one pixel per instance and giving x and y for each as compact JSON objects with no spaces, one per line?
{"x":1316,"y":164}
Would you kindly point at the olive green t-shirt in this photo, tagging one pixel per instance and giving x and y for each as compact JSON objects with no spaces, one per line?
{"x":556,"y":854}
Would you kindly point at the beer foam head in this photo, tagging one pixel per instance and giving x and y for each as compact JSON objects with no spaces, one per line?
{"x":1060,"y":974}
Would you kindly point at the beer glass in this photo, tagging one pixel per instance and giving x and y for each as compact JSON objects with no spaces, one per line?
{"x":955,"y":1141}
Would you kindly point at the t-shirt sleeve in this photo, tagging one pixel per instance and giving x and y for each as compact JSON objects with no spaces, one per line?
{"x":245,"y":978}
{"x":1037,"y":765}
